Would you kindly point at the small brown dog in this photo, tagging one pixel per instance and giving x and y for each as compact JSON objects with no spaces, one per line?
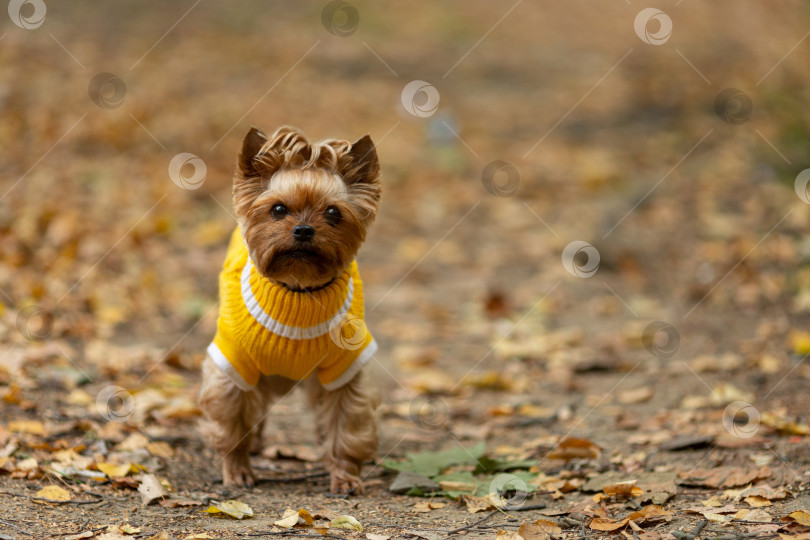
{"x":291,"y":301}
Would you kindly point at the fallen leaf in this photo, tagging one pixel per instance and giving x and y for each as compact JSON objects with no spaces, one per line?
{"x":160,"y":449}
{"x":53,"y":494}
{"x":114,"y":470}
{"x":636,"y":395}
{"x":641,"y":516}
{"x":235,"y":509}
{"x":477,"y":504}
{"x":427,"y":506}
{"x":755,"y":501}
{"x":126,"y":528}
{"x":33,"y":427}
{"x":571,"y":448}
{"x":346,"y":522}
{"x":151,"y":489}
{"x":802,"y":517}
{"x":539,"y":530}
{"x":507,"y":535}
{"x":289,"y":519}
{"x":372,"y":536}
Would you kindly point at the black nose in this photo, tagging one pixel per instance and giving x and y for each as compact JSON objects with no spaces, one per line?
{"x":303,"y":232}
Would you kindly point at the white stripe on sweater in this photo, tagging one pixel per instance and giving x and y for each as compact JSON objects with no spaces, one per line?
{"x":283,"y":330}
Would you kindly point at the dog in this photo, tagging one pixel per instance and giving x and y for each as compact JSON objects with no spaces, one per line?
{"x":291,"y":302}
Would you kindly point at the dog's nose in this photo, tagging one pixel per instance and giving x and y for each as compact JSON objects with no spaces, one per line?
{"x":303,"y":232}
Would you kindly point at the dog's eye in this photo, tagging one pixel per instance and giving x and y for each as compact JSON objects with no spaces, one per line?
{"x":332,"y":215}
{"x":279,"y":211}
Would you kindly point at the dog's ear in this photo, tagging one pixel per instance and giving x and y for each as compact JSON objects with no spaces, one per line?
{"x":363,"y":166}
{"x":253,"y":142}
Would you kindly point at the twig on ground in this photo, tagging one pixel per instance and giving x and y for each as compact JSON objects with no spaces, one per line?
{"x":681,"y":535}
{"x":471,"y":525}
{"x":291,"y":479}
{"x":77,"y":531}
{"x":15,"y":527}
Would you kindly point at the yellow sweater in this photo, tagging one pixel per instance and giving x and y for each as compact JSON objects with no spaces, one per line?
{"x":265,"y":328}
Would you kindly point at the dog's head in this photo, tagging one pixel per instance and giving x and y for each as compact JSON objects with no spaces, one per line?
{"x":304,"y":208}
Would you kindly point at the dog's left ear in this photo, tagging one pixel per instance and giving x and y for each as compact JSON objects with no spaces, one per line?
{"x":363,"y":163}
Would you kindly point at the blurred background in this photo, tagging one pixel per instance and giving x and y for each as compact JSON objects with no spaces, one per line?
{"x":665,"y":143}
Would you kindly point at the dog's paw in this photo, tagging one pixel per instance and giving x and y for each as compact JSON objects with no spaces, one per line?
{"x":237,"y":472}
{"x":345,"y":482}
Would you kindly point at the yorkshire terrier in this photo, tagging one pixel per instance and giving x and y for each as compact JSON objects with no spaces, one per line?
{"x":291,"y":301}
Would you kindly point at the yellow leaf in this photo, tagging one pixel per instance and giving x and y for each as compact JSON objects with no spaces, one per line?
{"x":235,"y":509}
{"x":756,"y":501}
{"x":34,"y":427}
{"x":802,"y":517}
{"x":160,"y":449}
{"x":346,"y":522}
{"x":800,"y":342}
{"x":306,"y":516}
{"x":114,"y":470}
{"x":53,"y":494}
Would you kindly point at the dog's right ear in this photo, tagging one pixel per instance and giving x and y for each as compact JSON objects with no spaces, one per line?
{"x":253,"y":142}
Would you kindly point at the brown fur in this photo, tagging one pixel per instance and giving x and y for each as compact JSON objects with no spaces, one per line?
{"x":307,"y":178}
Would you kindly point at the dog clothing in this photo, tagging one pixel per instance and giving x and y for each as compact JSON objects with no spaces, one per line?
{"x":266,"y":329}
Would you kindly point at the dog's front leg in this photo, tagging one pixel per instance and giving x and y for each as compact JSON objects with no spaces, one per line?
{"x":346,"y":426}
{"x":231,"y":419}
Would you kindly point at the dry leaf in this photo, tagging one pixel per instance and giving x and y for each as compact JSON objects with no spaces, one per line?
{"x":539,"y":530}
{"x":477,"y":504}
{"x":151,"y":489}
{"x":346,"y":522}
{"x":641,"y":516}
{"x":289,"y":519}
{"x":755,"y":501}
{"x":114,"y":470}
{"x":636,"y":395}
{"x":507,"y":535}
{"x":160,"y":449}
{"x":33,"y":427}
{"x":571,"y":448}
{"x":235,"y":509}
{"x":802,"y":517}
{"x":427,"y":506}
{"x":53,"y":494}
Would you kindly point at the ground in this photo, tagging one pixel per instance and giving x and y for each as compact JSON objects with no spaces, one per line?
{"x":625,"y":300}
